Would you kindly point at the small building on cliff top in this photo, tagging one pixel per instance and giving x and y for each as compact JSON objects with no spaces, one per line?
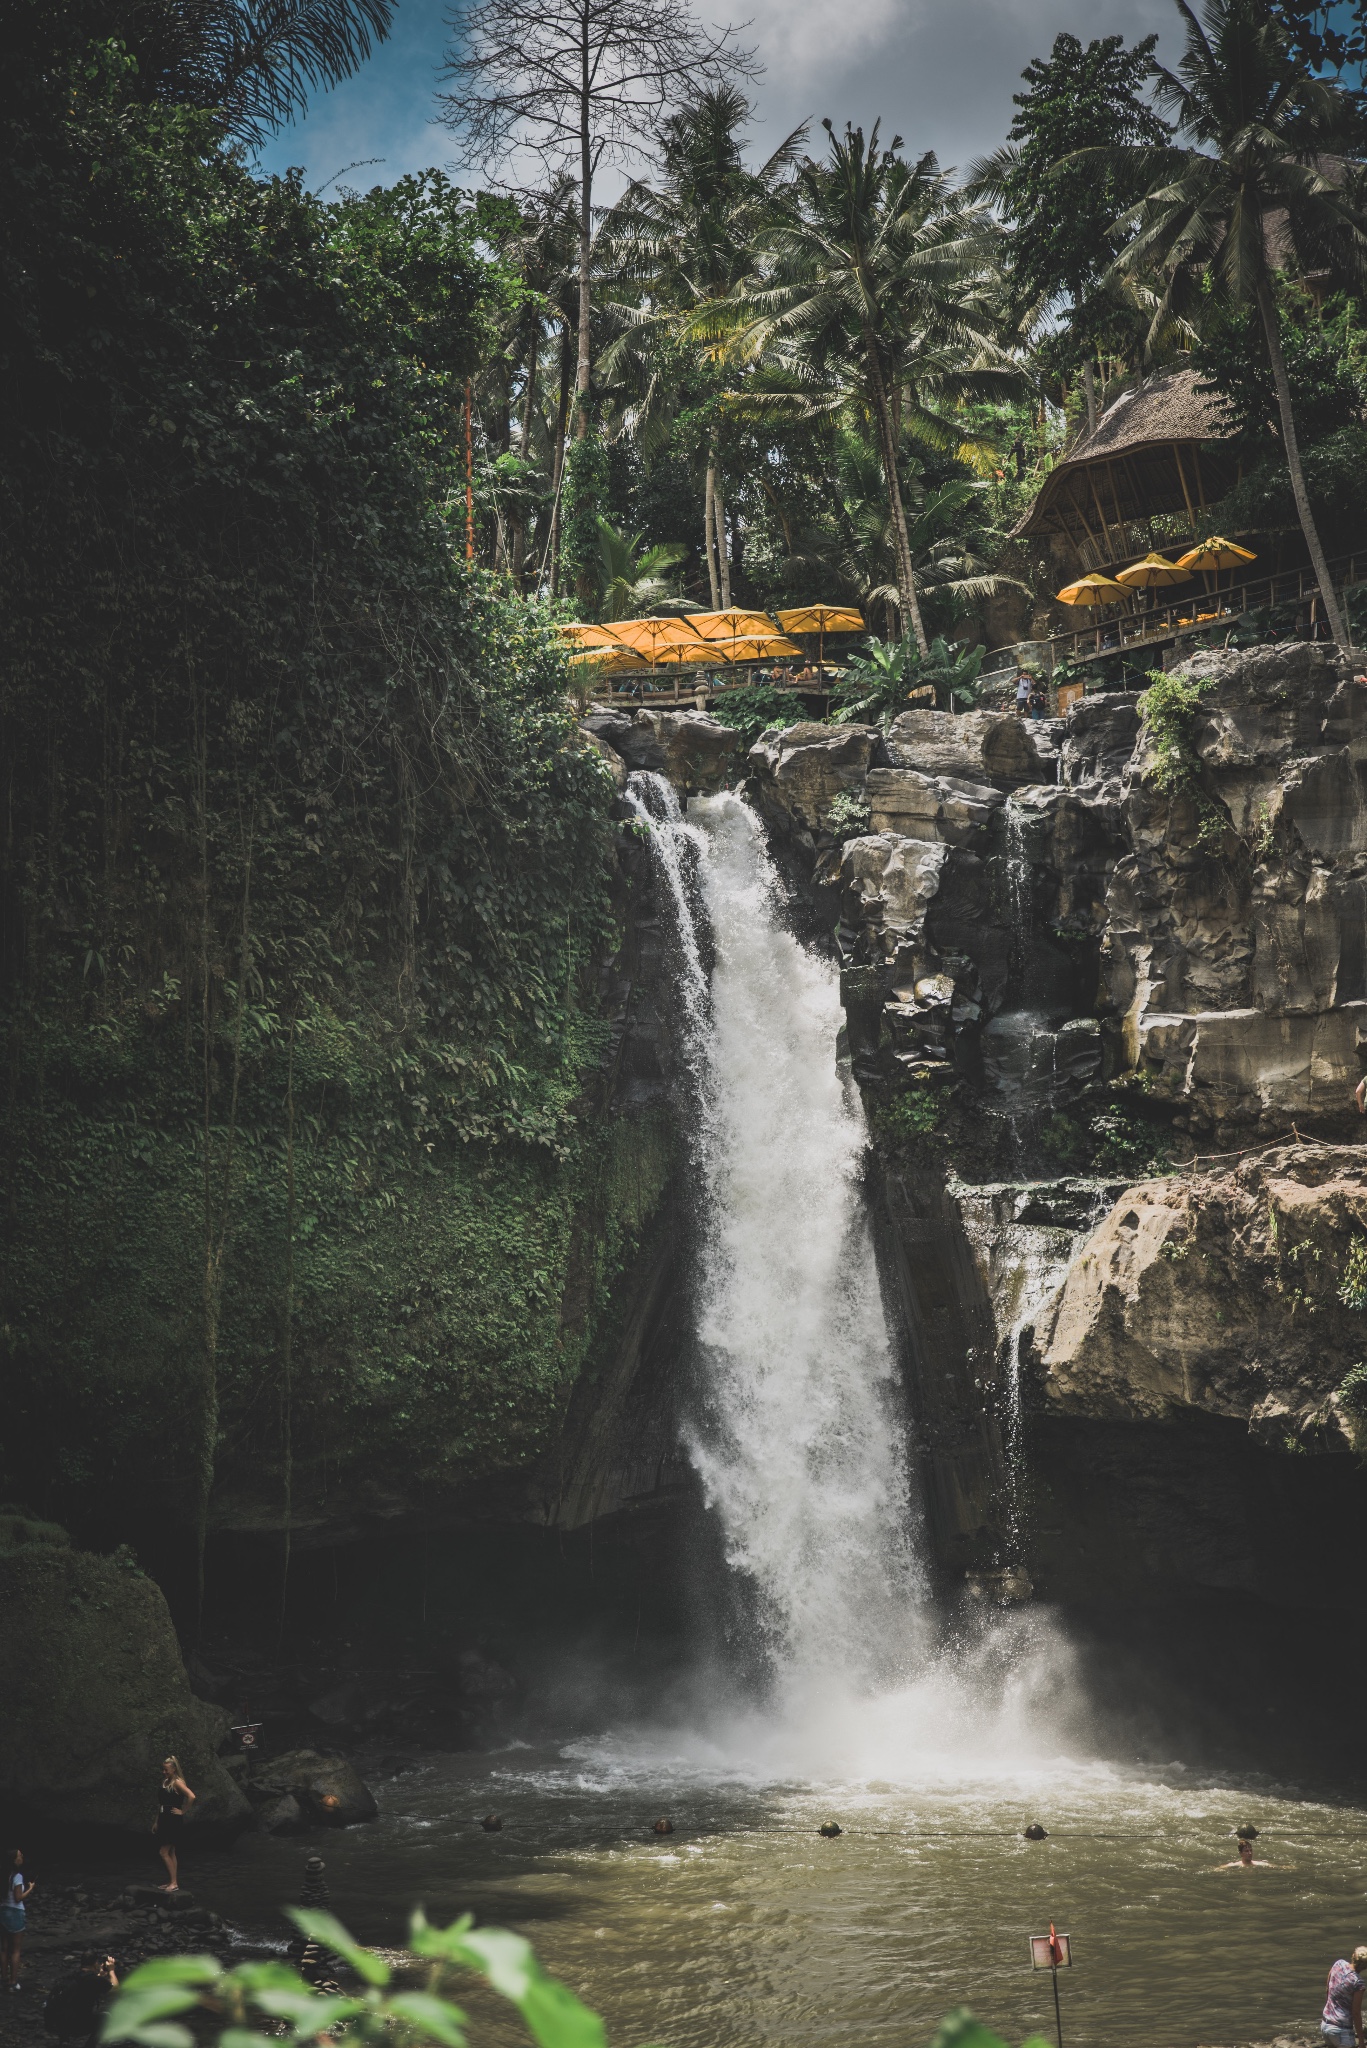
{"x":1160,"y":448}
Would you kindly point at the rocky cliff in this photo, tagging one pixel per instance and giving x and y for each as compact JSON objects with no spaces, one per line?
{"x":1073,"y":955}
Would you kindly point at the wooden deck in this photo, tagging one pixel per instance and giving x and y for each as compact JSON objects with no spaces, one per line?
{"x":1208,"y":613}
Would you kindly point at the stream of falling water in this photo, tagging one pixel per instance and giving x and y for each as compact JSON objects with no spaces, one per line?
{"x":800,"y":1439}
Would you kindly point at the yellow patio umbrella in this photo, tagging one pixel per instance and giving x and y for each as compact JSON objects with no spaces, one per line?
{"x":822,"y":619}
{"x":609,"y":659}
{"x":769,"y":646}
{"x":649,"y":637}
{"x":686,"y":651}
{"x":1215,"y":553}
{"x":728,"y":624}
{"x":1092,"y":589}
{"x":1154,"y":572}
{"x":589,"y":636}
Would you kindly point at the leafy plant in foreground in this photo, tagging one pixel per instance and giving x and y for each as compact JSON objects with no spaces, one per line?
{"x":148,"y":2011}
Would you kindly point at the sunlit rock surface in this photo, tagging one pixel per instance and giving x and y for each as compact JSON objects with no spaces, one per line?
{"x":1221,"y":1291}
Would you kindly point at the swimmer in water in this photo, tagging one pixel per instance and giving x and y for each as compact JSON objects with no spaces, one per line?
{"x":1246,"y":1860}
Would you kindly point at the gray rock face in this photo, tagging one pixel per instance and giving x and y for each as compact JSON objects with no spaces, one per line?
{"x":1218,"y":1293}
{"x":800,"y":770}
{"x":96,"y":1695}
{"x":931,"y":807}
{"x":696,"y":752}
{"x":982,"y":746}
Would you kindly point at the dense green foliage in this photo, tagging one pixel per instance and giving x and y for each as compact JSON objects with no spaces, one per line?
{"x":1062,"y":202}
{"x":304,"y":867}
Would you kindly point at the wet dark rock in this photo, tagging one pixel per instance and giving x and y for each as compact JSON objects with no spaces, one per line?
{"x":328,"y":1789}
{"x":691,"y":749}
{"x":284,"y":1816}
{"x":491,"y":1823}
{"x":482,"y":1678}
{"x":664,"y":1826}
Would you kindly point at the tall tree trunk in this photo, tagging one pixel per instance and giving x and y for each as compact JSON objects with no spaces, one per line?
{"x":709,"y":505}
{"x":581,"y":379}
{"x":1318,"y":560}
{"x":552,"y":552}
{"x":719,"y":529}
{"x":1089,"y":387}
{"x":518,"y":521}
{"x":906,"y":575}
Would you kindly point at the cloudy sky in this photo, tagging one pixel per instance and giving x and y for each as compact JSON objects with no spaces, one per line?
{"x":941,"y":72}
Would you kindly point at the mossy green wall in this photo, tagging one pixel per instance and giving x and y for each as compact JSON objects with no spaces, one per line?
{"x":444,"y":1295}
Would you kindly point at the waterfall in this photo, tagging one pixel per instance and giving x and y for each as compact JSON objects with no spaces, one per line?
{"x":799,"y":1436}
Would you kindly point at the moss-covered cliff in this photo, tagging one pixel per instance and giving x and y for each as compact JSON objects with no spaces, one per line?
{"x":315,"y":1181}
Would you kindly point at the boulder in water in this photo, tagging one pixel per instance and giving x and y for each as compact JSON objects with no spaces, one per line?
{"x":327,"y":1788}
{"x":283,"y":1816}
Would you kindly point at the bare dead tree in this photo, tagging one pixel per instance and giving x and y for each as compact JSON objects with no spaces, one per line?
{"x":576,"y":84}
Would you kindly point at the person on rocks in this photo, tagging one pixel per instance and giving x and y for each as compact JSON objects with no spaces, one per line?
{"x":76,"y":2006}
{"x":1025,"y":684}
{"x":13,"y":1919}
{"x":175,"y":1801}
{"x":1341,"y":2022}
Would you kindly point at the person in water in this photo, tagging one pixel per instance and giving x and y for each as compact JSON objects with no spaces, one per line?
{"x":1245,"y":1860}
{"x":13,"y":1919}
{"x":175,"y":1801}
{"x":1341,"y":2023}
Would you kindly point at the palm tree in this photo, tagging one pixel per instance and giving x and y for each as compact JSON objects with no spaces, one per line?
{"x":884,"y":270}
{"x":253,"y":62}
{"x":632,"y":582}
{"x":673,"y":252}
{"x":546,"y":256}
{"x":1247,"y":190}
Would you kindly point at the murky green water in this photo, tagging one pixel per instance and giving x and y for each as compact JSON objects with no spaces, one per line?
{"x":746,"y":1927}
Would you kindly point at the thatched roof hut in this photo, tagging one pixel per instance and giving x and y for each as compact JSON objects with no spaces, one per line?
{"x":1156,"y":449}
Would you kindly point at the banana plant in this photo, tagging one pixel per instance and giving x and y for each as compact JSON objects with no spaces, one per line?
{"x":880,"y":680}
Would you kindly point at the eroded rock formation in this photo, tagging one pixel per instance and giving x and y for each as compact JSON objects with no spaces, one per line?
{"x":1224,"y":1292}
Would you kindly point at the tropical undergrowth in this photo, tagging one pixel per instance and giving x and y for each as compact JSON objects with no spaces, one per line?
{"x":305,"y":873}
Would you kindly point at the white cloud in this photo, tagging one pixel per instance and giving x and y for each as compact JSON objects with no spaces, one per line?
{"x":940,"y":73}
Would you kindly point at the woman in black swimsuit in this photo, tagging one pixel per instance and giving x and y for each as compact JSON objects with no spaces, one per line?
{"x":176,"y":1798}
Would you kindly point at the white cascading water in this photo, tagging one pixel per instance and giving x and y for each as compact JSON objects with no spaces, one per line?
{"x":801,"y":1444}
